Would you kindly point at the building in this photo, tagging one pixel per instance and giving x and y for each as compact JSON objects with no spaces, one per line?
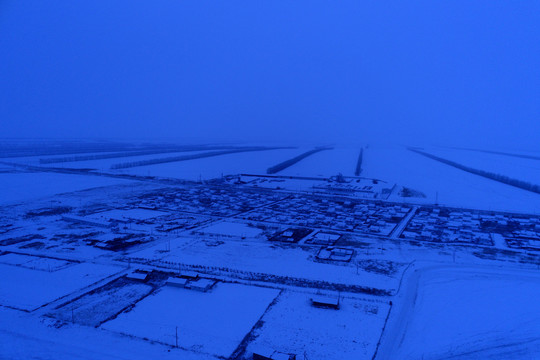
{"x":201,"y":284}
{"x":325,"y":302}
{"x":177,"y":282}
{"x":138,"y":276}
{"x":87,"y":221}
{"x":269,"y":354}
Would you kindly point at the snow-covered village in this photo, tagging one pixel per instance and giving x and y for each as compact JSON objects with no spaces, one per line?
{"x":269,"y":180}
{"x":235,"y":263}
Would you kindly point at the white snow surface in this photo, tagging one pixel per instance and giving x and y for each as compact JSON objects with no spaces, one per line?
{"x":326,"y":163}
{"x":213,"y":322}
{"x":513,"y":167}
{"x":22,"y":336}
{"x":27,"y":289}
{"x":252,"y":162}
{"x":452,"y":186}
{"x":465,"y":313}
{"x":17,"y":187}
{"x":293,"y":324}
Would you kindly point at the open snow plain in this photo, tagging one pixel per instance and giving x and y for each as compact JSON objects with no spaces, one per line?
{"x":466,"y":312}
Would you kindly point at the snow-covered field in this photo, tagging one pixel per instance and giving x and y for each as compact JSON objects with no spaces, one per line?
{"x":326,"y":163}
{"x":97,"y":164}
{"x":451,"y":186}
{"x":28,"y":289}
{"x":228,"y":228}
{"x":99,"y":306}
{"x":34,"y":262}
{"x":514,"y":167}
{"x":80,"y":301}
{"x":105,"y":164}
{"x":468,"y":313}
{"x":394,"y":164}
{"x":293,"y":324}
{"x":253,"y":162}
{"x":22,"y":336}
{"x":123,"y":215}
{"x":266,"y":257}
{"x":213,"y":323}
{"x":18,"y":187}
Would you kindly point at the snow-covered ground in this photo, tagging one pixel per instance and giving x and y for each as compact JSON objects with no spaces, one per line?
{"x":96,"y":307}
{"x":266,"y":257}
{"x":123,"y":215}
{"x":394,"y":164}
{"x":252,"y":162}
{"x":27,"y":289}
{"x":23,"y":336}
{"x":229,"y":228}
{"x":295,"y":326}
{"x":514,"y":167}
{"x":451,"y":186}
{"x":326,"y":163}
{"x":96,"y":164}
{"x":34,"y":262}
{"x":465,"y":313}
{"x":17,"y":187}
{"x":465,"y":301}
{"x":213,"y":322}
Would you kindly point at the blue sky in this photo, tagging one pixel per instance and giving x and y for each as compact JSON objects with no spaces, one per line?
{"x":462,"y":73}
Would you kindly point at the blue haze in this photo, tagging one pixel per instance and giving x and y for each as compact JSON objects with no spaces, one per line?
{"x":446,"y":72}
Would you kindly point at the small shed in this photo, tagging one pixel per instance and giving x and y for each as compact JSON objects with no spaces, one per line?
{"x":201,"y":284}
{"x":325,"y":302}
{"x":189,"y":274}
{"x":269,"y":354}
{"x":335,"y":254}
{"x":138,"y":276}
{"x":177,"y":282}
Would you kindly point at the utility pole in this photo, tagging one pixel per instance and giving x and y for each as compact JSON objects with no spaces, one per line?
{"x":177,"y":336}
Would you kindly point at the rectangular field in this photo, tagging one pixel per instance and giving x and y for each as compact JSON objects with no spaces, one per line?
{"x":27,"y":289}
{"x":294,"y":326}
{"x":213,"y":323}
{"x":470,"y":314}
{"x":268,"y":258}
{"x":214,"y":167}
{"x":23,"y":186}
{"x":100,"y":305}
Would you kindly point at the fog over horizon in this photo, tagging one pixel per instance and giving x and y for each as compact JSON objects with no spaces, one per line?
{"x":450,"y":73}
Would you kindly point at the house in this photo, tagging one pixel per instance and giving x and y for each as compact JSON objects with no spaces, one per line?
{"x":201,"y":284}
{"x":325,"y":302}
{"x":189,"y":274}
{"x":335,"y":254}
{"x":138,"y":276}
{"x":177,"y":282}
{"x":269,"y":354}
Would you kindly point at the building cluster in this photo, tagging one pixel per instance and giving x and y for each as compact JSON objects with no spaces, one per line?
{"x":449,"y":225}
{"x":214,"y":201}
{"x":376,"y":218}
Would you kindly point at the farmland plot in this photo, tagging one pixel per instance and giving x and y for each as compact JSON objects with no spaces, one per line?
{"x":29,"y":289}
{"x":210,"y":323}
